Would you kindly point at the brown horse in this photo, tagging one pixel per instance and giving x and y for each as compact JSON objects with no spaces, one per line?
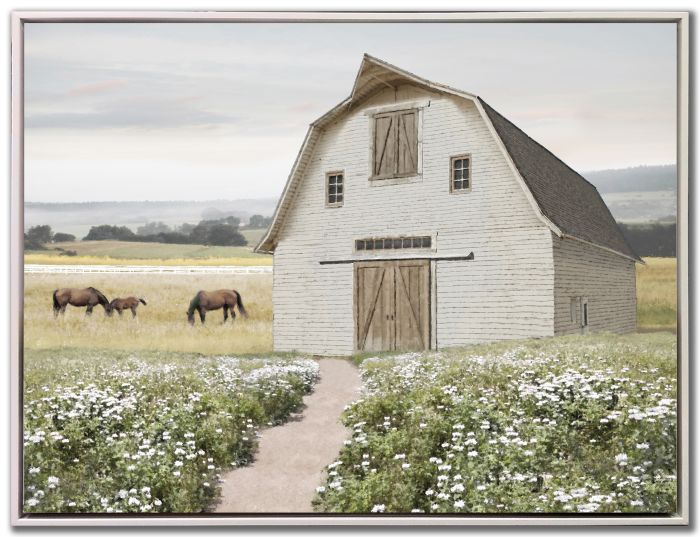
{"x":205,"y":301}
{"x":128,"y":303}
{"x":80,"y":298}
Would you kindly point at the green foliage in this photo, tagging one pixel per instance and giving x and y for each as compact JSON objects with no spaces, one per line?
{"x":258,"y":221}
{"x":36,"y":237}
{"x":139,"y":435}
{"x":106,"y":232}
{"x":571,"y":425}
{"x":63,"y":237}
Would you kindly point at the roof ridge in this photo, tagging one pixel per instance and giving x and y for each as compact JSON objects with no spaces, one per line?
{"x":535,"y":141}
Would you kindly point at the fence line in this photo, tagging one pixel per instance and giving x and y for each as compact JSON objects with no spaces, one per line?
{"x":145,"y":269}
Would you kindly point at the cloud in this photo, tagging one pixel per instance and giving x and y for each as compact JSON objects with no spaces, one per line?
{"x":136,"y":112}
{"x":96,"y":87}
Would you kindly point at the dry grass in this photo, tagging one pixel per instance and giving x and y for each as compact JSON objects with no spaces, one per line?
{"x":52,"y":259}
{"x":656,"y":294}
{"x":160,"y":326}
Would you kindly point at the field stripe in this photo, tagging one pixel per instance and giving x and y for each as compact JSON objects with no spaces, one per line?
{"x":144,"y":269}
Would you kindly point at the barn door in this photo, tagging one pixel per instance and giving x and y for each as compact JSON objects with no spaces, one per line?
{"x":374,"y":291}
{"x":392,"y":305}
{"x":412,"y":311}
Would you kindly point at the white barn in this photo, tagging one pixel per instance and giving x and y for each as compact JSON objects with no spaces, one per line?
{"x":417,"y":217}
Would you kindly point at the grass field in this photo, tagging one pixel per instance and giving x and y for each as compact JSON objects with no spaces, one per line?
{"x":656,"y":294}
{"x":147,"y":253}
{"x":161,"y":325}
{"x":576,"y":424}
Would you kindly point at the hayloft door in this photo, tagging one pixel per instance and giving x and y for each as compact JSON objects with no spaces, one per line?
{"x":392,"y":305}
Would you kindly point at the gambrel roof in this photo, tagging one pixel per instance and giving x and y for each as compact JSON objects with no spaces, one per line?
{"x":568,"y":204}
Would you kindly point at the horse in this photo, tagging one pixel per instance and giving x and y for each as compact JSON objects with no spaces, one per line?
{"x":205,"y":301}
{"x":80,"y":298}
{"x":128,"y":303}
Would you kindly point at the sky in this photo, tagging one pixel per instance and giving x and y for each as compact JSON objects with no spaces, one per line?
{"x":163,"y":111}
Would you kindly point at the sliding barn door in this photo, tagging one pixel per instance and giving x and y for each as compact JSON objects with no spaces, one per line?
{"x":374,"y":292}
{"x":392,"y":305}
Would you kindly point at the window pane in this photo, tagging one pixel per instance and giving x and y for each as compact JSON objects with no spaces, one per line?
{"x":379,"y":244}
{"x":331,"y":189}
{"x":457,"y":174}
{"x":457,"y":163}
{"x":339,"y":188}
{"x":457,"y":185}
{"x":359,"y":245}
{"x":465,"y":173}
{"x":407,"y":243}
{"x":416,"y":242}
{"x":369,"y":245}
{"x":465,"y":184}
{"x":339,"y":197}
{"x":388,"y":243}
{"x":425,"y":242}
{"x":339,"y":178}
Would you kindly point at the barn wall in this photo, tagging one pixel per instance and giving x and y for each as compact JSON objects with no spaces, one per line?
{"x":506,"y":292}
{"x":607,"y":280}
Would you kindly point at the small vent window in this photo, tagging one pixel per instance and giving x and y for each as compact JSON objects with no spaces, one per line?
{"x":393,"y":243}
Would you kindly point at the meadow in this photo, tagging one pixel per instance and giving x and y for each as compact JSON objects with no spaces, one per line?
{"x":566,"y":425}
{"x":149,"y":253}
{"x":118,"y":432}
{"x":146,"y":414}
{"x":656,"y":294}
{"x":159,"y":326}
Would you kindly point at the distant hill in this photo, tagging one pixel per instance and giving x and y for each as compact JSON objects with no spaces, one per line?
{"x":639,"y":194}
{"x":636,"y":179}
{"x":77,"y":218}
{"x":634,"y":195}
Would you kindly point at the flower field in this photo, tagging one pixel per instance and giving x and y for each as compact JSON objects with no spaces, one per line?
{"x":142,"y":434}
{"x":565,"y":425}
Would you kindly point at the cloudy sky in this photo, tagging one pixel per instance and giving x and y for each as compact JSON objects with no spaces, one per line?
{"x":207,"y":111}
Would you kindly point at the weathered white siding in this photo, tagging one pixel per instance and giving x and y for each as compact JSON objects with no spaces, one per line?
{"x":606,"y":279}
{"x":505,"y":292}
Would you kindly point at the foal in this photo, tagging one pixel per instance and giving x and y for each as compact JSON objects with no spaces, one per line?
{"x":128,"y":303}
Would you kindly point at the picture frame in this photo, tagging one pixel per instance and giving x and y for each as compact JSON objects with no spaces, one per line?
{"x":20,"y":18}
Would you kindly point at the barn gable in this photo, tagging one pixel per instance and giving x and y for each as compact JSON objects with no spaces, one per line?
{"x":571,"y":218}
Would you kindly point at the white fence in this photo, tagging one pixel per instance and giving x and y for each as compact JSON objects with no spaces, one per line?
{"x":144,"y":269}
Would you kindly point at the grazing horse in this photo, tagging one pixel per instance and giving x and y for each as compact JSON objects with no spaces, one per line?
{"x":128,"y":303}
{"x":80,"y":298}
{"x":205,"y":301}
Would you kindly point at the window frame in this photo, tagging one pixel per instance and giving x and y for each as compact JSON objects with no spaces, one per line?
{"x":396,"y":111}
{"x":394,"y":243}
{"x":453,"y":159}
{"x":585,"y":321}
{"x":328,"y":175}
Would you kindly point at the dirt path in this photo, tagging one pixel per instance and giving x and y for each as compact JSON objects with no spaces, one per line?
{"x":291,"y":458}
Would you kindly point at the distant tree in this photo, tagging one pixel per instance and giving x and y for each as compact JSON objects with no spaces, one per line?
{"x":651,"y":240}
{"x":36,"y":237}
{"x":258,"y":221}
{"x":153,"y":228}
{"x":225,"y":235}
{"x":107,"y":233}
{"x":185,"y":228}
{"x":63,"y":237}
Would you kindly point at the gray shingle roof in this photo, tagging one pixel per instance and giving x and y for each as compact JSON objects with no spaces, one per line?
{"x":564,"y":196}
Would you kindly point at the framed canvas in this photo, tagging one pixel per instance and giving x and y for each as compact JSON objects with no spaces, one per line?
{"x":349,"y":268}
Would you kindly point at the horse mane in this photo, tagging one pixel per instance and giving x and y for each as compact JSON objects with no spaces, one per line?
{"x":103,"y":299}
{"x":194,"y":304}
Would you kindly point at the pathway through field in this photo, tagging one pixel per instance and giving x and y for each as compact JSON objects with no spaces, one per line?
{"x":291,"y":458}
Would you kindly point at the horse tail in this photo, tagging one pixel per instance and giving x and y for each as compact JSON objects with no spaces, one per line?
{"x":143,"y":301}
{"x":56,"y":305}
{"x":239,"y":303}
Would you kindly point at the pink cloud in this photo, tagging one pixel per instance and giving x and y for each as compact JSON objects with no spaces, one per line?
{"x":97,"y":87}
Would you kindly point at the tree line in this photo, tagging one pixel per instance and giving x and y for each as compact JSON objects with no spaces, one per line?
{"x":218,"y":232}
